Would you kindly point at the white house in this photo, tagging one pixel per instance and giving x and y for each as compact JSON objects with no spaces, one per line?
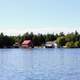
{"x":50,"y":44}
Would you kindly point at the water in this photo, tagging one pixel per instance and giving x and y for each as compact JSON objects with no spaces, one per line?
{"x":39,"y":64}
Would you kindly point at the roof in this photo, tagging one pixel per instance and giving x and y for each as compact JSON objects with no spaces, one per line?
{"x":50,"y":42}
{"x":26,"y":42}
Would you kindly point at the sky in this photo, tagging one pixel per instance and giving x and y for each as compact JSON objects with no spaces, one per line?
{"x":39,"y":16}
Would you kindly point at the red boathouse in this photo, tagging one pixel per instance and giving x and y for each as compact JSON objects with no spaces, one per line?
{"x":27,"y":44}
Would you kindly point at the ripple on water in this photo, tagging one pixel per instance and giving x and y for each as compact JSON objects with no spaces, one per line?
{"x":39,"y":64}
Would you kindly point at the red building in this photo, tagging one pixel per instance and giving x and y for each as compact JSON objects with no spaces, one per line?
{"x":27,"y":44}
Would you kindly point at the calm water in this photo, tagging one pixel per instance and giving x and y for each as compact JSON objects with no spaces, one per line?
{"x":39,"y":64}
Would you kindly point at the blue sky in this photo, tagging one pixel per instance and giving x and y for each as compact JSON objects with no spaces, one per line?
{"x":19,"y":16}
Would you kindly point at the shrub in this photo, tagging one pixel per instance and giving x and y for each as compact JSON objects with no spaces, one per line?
{"x":70,"y":44}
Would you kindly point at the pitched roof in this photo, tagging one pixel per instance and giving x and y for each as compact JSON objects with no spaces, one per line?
{"x":26,"y":42}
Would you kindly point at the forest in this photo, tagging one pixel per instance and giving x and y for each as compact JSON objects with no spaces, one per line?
{"x":70,"y":40}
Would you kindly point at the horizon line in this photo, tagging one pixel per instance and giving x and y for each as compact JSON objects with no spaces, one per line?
{"x":37,"y":30}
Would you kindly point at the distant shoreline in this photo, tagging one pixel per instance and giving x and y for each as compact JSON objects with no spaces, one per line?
{"x":71,"y":40}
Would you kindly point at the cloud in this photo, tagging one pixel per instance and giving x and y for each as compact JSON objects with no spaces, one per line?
{"x":17,"y":30}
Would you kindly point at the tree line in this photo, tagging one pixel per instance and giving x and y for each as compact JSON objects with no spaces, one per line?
{"x":70,"y":40}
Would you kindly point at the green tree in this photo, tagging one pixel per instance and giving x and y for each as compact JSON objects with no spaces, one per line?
{"x":60,"y":41}
{"x":77,"y":44}
{"x":1,"y":40}
{"x":61,"y":34}
{"x":70,"y":44}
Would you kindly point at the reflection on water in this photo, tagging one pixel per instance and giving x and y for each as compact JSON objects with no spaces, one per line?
{"x":39,"y":64}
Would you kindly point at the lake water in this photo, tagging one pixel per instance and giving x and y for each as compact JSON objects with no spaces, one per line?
{"x":40,"y":64}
